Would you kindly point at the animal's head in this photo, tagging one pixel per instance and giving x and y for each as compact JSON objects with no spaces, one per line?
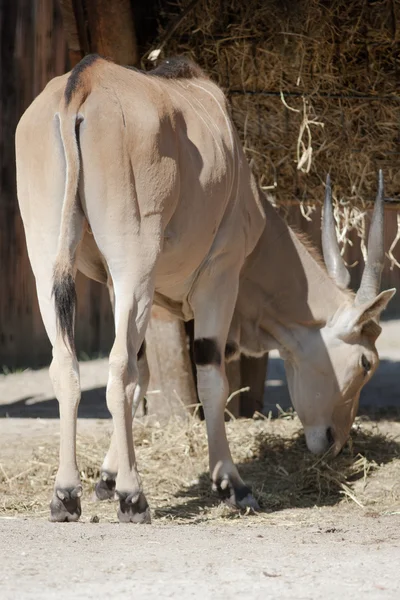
{"x":333,"y":364}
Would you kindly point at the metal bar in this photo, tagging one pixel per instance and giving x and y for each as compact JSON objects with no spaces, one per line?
{"x":389,"y":205}
{"x":251,"y":37}
{"x":371,"y":97}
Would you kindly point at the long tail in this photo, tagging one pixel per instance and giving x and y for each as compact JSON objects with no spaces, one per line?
{"x":72,"y":218}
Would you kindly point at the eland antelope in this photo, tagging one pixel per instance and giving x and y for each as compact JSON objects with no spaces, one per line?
{"x":139,"y":181}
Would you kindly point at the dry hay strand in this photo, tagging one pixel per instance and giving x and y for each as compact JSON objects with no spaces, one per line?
{"x":271,"y":456}
{"x":313,"y":88}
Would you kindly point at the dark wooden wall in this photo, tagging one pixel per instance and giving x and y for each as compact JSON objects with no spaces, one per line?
{"x":33,"y":50}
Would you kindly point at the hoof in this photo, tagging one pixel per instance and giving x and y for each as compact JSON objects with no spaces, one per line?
{"x":236,"y":496}
{"x":66,"y":505}
{"x":133,"y":508}
{"x":105,"y":487}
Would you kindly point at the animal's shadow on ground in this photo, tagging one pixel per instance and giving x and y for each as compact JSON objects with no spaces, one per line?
{"x":380,"y":397}
{"x":283,"y":474}
{"x":92,"y":406}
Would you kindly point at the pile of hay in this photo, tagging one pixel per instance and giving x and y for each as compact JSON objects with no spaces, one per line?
{"x":313,"y":87}
{"x":271,"y":455}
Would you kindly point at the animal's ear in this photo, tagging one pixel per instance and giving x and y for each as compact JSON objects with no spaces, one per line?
{"x":371,"y":311}
{"x":352,"y":319}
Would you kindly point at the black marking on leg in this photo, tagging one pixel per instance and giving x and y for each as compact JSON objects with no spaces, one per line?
{"x":105,"y":487}
{"x":74,"y":80}
{"x":142,"y":350}
{"x":133,"y":508}
{"x":66,"y":505}
{"x":206,"y":352}
{"x":231,"y":350}
{"x":237,"y":493}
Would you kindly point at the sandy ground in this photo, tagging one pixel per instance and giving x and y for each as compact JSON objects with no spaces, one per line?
{"x":299,"y":553}
{"x":354,"y":558}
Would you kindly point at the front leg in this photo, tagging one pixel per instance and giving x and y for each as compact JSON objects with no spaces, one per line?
{"x":213,"y":312}
{"x":213,"y":393}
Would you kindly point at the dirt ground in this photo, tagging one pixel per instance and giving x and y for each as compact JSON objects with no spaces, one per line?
{"x":327,"y":528}
{"x":355,"y":557}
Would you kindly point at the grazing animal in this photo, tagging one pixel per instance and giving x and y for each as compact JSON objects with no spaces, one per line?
{"x":139,"y":181}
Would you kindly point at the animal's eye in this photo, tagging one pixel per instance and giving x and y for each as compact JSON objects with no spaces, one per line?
{"x":366,"y":365}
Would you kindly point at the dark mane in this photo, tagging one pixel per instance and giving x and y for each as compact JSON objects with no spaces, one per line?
{"x":177,"y":67}
{"x":309,"y":245}
{"x":74,"y":80}
{"x":315,"y":253}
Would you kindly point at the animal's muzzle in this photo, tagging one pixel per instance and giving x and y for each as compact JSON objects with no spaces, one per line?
{"x":319,"y":439}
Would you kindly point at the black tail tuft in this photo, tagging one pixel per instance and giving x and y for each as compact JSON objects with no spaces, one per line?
{"x":65,"y":303}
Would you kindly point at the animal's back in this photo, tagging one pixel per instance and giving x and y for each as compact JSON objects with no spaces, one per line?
{"x":175,"y":120}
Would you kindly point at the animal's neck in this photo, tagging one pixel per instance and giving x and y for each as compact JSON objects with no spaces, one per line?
{"x":283,"y":286}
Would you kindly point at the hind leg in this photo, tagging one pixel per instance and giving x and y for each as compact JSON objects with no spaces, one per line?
{"x":132,"y":266}
{"x":64,"y":374}
{"x":129,"y":191}
{"x":132,"y":315}
{"x":105,"y":487}
{"x":41,"y":186}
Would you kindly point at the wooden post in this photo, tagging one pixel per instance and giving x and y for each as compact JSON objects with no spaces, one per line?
{"x":102,"y":26}
{"x":112,"y":30}
{"x":172,"y":387}
{"x":75,"y":30}
{"x":234,"y":380}
{"x":253,"y":372}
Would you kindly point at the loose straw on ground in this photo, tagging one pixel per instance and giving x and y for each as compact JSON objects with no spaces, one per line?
{"x":173,"y":462}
